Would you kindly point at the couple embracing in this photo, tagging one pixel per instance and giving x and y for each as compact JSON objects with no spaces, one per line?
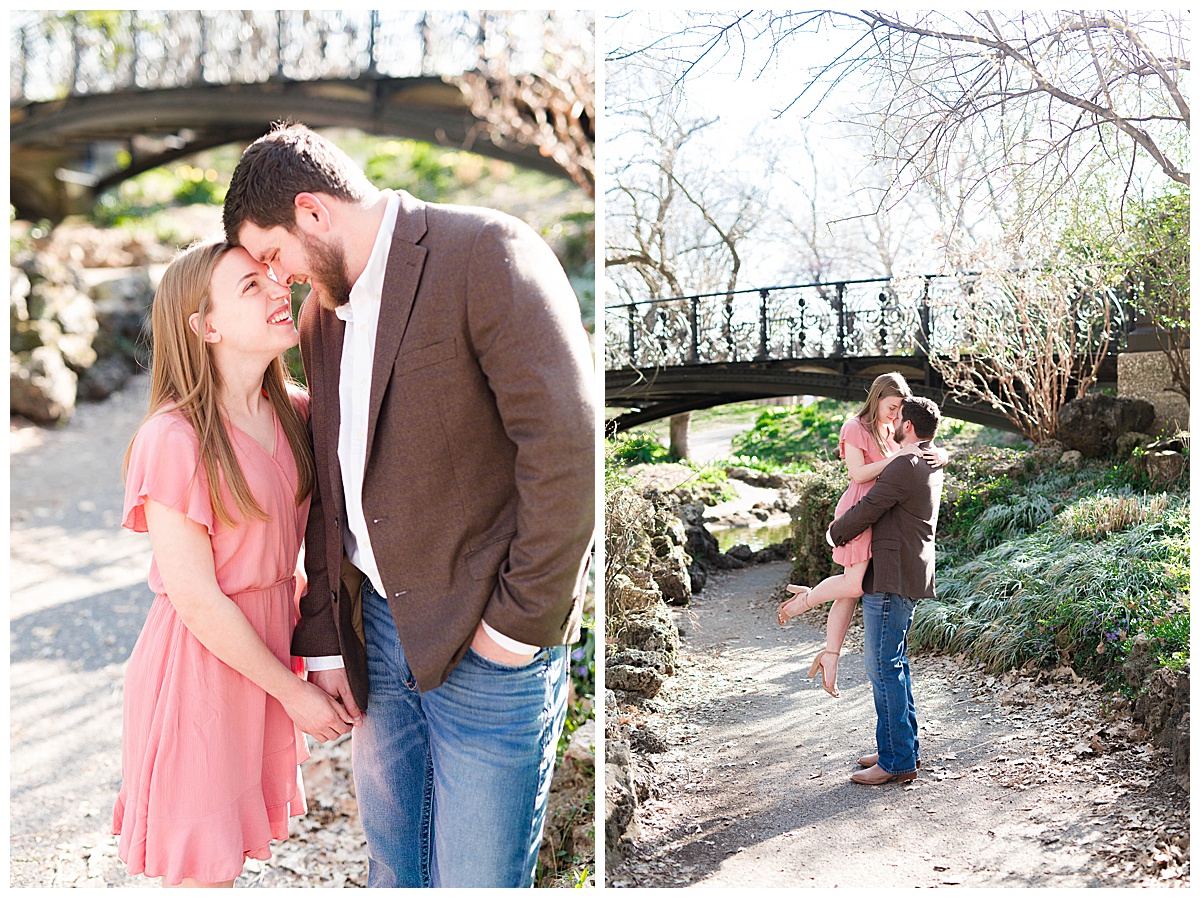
{"x":400,"y":550}
{"x":883,"y":536}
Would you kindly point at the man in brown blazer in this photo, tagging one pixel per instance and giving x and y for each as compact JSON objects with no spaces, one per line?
{"x":901,"y":509}
{"x":453,"y":429}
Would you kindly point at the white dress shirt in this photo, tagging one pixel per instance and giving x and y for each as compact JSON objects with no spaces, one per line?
{"x":361,"y":315}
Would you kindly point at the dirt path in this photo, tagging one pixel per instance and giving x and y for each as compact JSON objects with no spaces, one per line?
{"x":1024,"y":783}
{"x":77,"y":601}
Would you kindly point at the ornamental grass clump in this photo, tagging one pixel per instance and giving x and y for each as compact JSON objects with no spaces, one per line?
{"x":1052,"y":597}
{"x":1095,"y":517}
{"x":1006,"y":520}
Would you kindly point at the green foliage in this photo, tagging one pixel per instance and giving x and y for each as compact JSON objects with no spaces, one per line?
{"x":420,"y":168}
{"x":1007,"y":520}
{"x":1159,"y":247}
{"x":712,"y":481}
{"x":582,"y":669}
{"x":616,"y":473}
{"x":1020,"y":586}
{"x":962,"y":509}
{"x":787,"y":435}
{"x":817,"y":493}
{"x":1170,"y":637}
{"x":754,"y":463}
{"x":198,"y":185}
{"x":638,"y":448}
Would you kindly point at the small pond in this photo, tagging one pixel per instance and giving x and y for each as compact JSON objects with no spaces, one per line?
{"x":754,"y":537}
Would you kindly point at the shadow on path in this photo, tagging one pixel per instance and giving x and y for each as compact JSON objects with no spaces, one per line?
{"x":753,"y":788}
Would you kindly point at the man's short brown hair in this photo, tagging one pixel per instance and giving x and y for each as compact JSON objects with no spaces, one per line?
{"x":288,"y":160}
{"x":922,"y":413}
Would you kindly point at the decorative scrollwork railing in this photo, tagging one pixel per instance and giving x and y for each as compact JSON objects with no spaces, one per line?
{"x":913,"y":316}
{"x":53,"y":55}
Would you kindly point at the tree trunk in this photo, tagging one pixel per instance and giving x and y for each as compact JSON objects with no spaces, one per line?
{"x":679,"y":436}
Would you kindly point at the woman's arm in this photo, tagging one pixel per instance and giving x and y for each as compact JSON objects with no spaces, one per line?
{"x":860,"y":470}
{"x":184,"y":555}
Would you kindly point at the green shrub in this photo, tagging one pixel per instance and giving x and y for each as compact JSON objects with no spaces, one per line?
{"x":637,"y":448}
{"x":817,"y":494}
{"x":754,"y":463}
{"x":712,"y":482}
{"x":785,"y":435}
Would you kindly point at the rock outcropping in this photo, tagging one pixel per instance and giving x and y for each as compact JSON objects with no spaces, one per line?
{"x":1093,"y":423}
{"x":78,"y":329}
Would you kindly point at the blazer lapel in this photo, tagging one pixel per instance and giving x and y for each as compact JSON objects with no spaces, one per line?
{"x":406,"y":261}
{"x":332,"y":338}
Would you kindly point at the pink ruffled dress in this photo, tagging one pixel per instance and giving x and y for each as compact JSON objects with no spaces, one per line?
{"x":210,"y":762}
{"x":855,"y":433}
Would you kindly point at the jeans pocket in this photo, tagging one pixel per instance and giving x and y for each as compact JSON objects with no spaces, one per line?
{"x":489,"y":664}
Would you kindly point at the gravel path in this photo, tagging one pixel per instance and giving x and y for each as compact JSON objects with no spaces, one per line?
{"x":1024,"y":783}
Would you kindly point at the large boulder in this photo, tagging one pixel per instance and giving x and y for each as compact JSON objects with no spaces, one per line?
{"x":122,"y":302}
{"x":41,"y":386}
{"x":96,"y":332}
{"x":1094,"y":422}
{"x":652,"y":631}
{"x":670,"y":562}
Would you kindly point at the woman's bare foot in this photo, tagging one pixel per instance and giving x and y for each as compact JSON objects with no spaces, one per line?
{"x":797,"y":604}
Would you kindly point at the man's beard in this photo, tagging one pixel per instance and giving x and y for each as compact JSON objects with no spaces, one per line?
{"x":326,"y":272}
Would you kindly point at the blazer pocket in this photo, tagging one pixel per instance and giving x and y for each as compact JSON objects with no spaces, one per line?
{"x":485,"y":561}
{"x":887,"y":544}
{"x":424,"y":356}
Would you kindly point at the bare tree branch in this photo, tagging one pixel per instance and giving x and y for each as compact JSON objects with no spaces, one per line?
{"x":552,"y":107}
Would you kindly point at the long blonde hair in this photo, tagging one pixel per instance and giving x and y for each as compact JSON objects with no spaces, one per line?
{"x":183,"y":378}
{"x":884,"y":387}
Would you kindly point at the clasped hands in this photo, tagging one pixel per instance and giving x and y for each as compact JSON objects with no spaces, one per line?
{"x":324,"y":706}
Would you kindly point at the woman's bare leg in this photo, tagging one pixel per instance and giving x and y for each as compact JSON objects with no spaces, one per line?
{"x":846,"y":585}
{"x":196,"y":884}
{"x":844,"y":590}
{"x":841,"y":612}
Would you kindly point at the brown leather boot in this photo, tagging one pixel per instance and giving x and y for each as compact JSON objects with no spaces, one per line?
{"x":877,"y":776}
{"x":872,"y":760}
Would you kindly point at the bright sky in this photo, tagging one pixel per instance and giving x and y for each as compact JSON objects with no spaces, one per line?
{"x":746,"y":92}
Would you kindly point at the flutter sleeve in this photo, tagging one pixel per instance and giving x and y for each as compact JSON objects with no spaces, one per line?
{"x":299,"y":399}
{"x":164,"y":465}
{"x":855,"y":434}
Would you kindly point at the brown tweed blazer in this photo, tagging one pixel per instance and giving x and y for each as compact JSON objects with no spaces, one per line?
{"x":481,"y":448}
{"x":901,"y":509}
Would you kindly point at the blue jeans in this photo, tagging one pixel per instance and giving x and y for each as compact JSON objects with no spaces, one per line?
{"x":886,"y":619}
{"x":453,"y":783}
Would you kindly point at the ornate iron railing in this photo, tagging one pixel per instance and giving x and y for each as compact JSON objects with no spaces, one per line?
{"x":53,"y":55}
{"x":912,"y":316}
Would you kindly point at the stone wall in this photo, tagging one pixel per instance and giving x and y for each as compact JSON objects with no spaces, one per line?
{"x":78,"y":302}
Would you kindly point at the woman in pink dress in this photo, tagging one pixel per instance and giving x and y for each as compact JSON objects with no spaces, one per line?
{"x":220,"y":475}
{"x":867,"y":445}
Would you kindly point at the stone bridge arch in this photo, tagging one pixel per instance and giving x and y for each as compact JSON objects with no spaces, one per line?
{"x":166,"y":85}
